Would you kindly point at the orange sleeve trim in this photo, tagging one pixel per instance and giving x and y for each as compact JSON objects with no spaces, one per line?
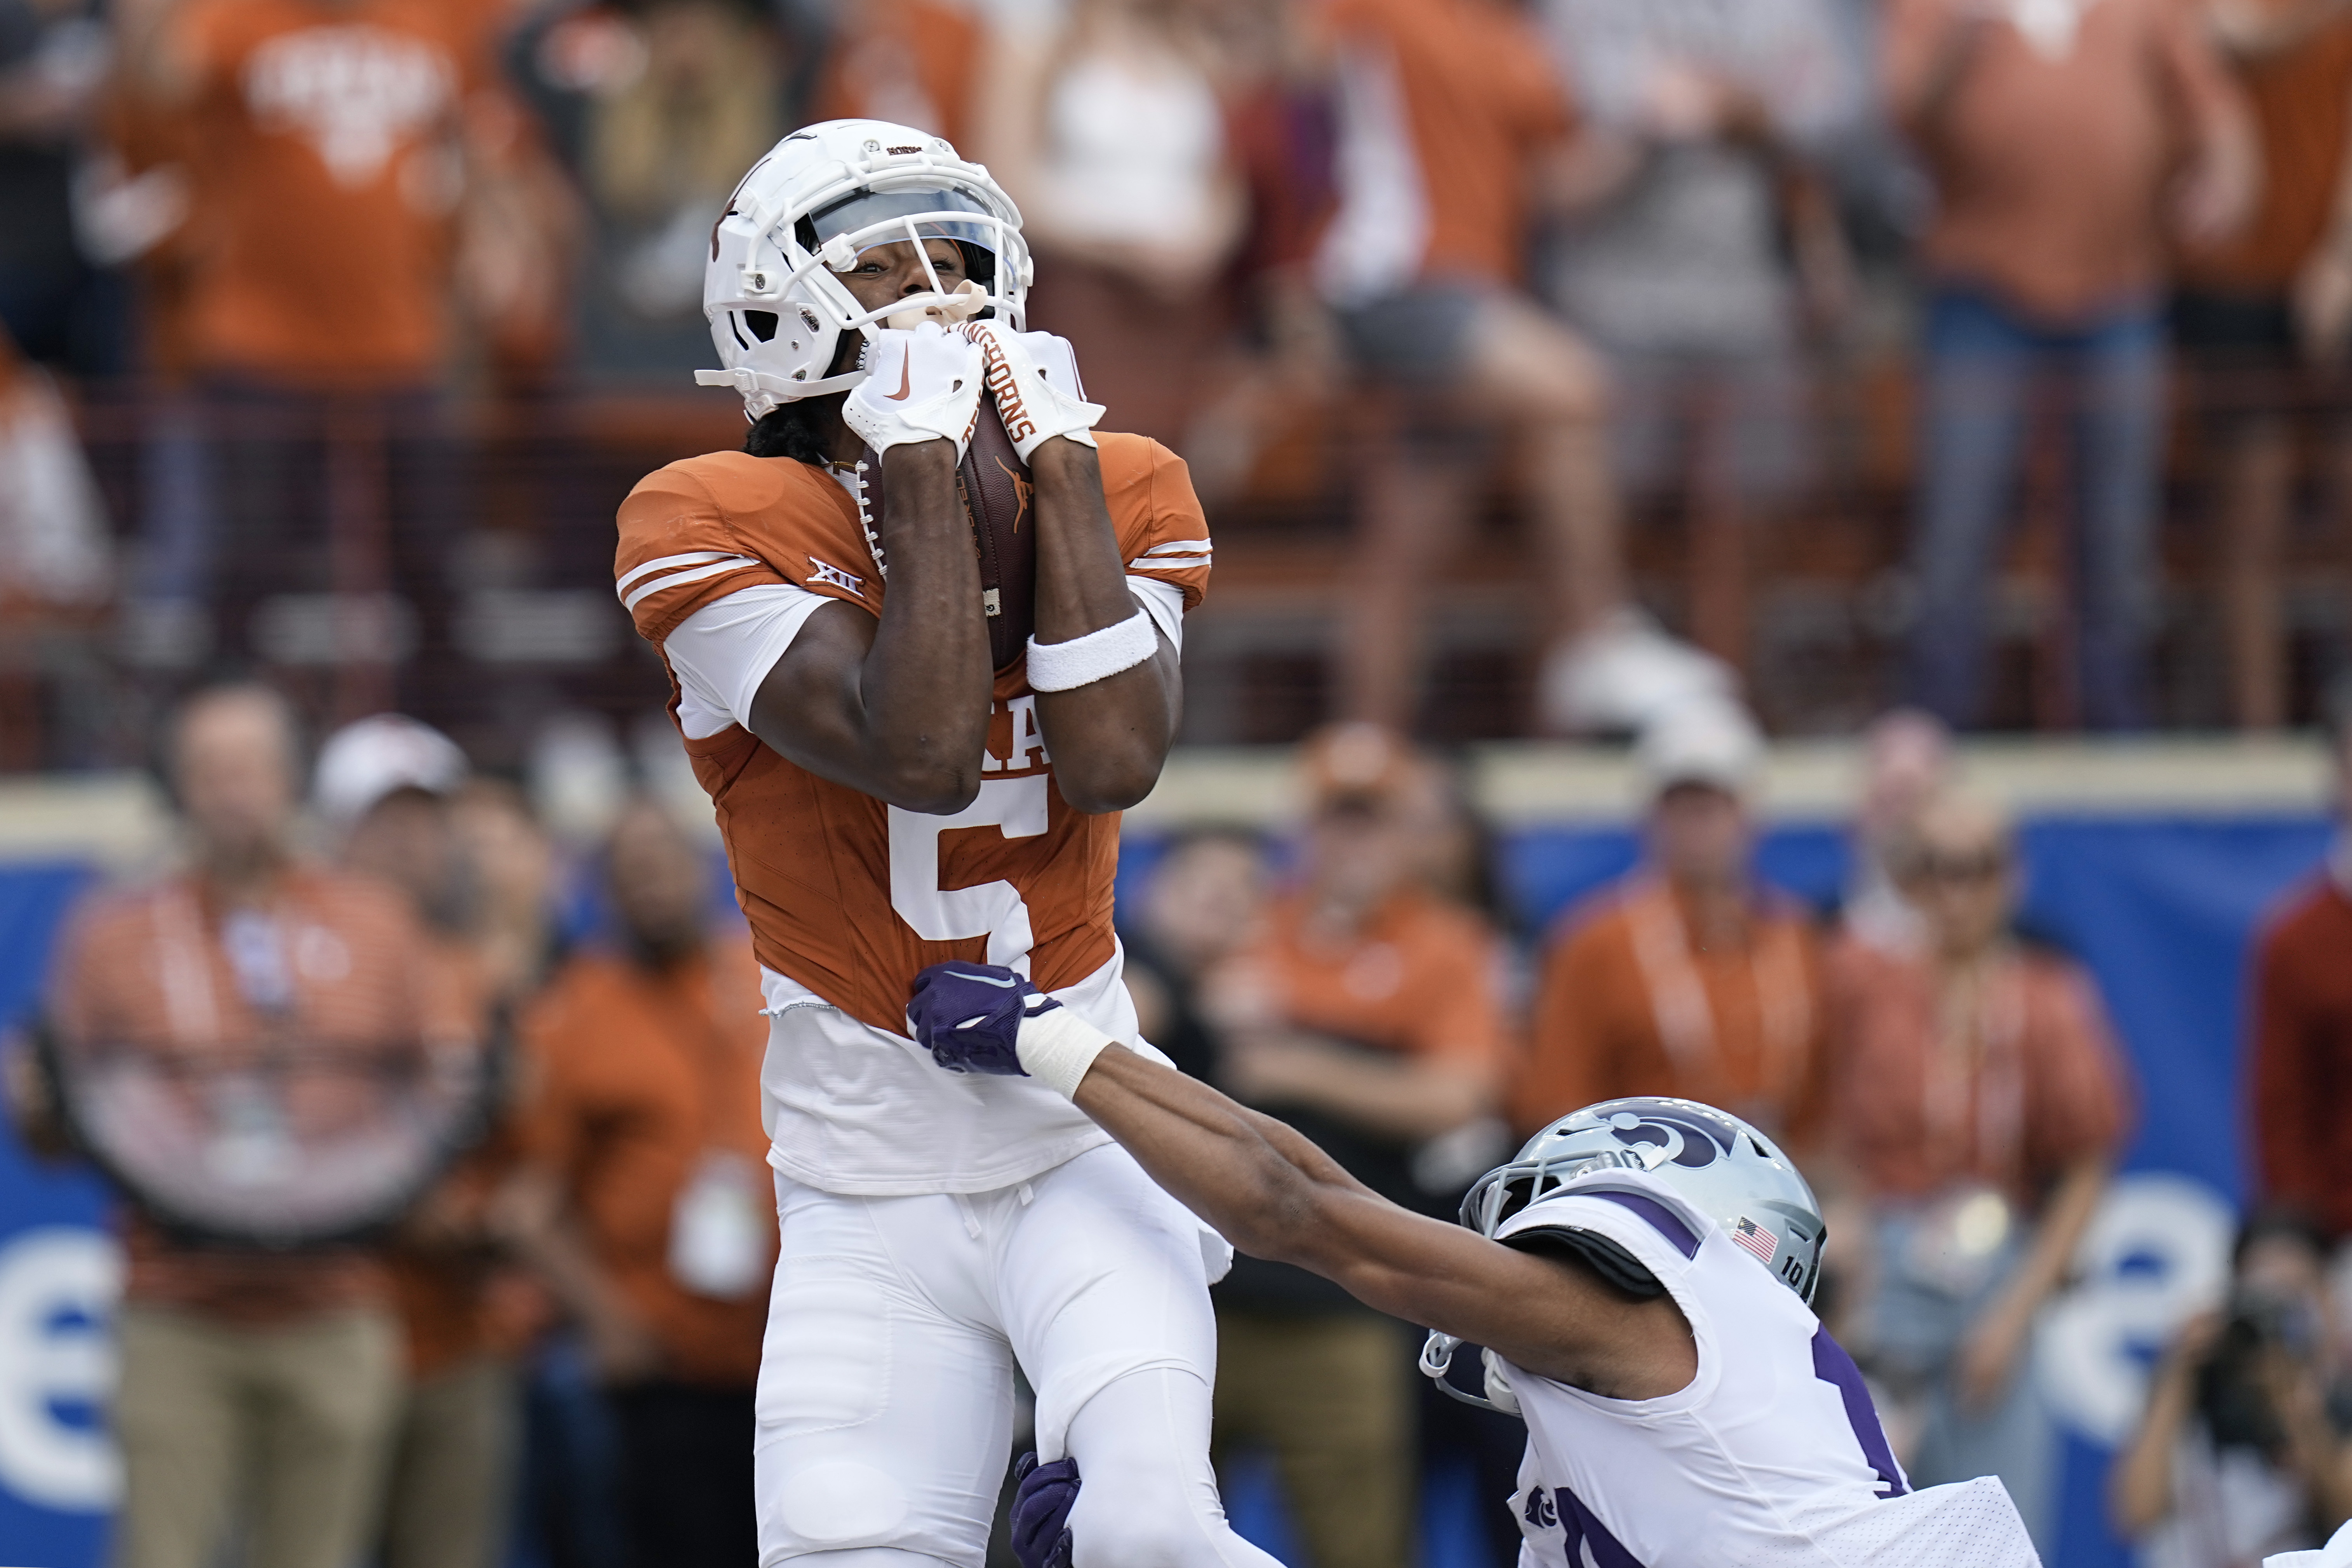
{"x":1162,"y":531}
{"x":679,"y":551}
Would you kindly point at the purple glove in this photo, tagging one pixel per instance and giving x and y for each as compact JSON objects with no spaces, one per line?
{"x":969,"y":1015}
{"x":1043,"y":1496}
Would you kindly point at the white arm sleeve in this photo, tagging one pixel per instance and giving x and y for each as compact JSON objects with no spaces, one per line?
{"x":1164,"y":602}
{"x":722,"y":651}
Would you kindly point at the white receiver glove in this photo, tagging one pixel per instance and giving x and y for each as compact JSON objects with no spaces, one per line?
{"x":921,"y":384}
{"x":1033,"y":379}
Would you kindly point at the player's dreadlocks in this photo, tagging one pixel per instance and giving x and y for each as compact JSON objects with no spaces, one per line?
{"x":797,"y":429}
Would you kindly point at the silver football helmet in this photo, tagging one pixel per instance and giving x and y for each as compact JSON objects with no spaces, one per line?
{"x":1724,"y":1168}
{"x":772,"y":289}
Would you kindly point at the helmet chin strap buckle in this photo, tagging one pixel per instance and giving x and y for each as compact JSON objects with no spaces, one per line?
{"x":1437,"y":1359}
{"x":763,"y":391}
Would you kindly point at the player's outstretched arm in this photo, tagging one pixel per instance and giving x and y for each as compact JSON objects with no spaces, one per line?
{"x":897,"y":706}
{"x":1274,"y":1194}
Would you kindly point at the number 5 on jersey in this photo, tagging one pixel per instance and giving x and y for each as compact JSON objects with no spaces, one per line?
{"x":1015,"y":807}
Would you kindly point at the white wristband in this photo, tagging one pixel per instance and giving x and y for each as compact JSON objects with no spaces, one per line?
{"x":1097,"y":655}
{"x":1057,"y":1048}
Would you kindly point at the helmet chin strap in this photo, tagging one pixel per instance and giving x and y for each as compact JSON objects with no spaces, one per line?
{"x":758,"y":386}
{"x":1437,"y":1358}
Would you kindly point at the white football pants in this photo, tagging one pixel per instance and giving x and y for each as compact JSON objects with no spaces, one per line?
{"x":885,"y":1383}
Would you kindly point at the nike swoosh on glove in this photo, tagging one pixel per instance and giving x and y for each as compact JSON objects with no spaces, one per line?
{"x":1032,"y":378}
{"x":1043,"y":1496}
{"x":968,"y":1015}
{"x":921,"y":384}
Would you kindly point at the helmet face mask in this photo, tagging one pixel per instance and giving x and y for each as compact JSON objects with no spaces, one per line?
{"x":772,"y":289}
{"x":1507,"y":1189}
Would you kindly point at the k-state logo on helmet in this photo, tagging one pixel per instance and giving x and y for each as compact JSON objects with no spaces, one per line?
{"x":1689,"y":1139}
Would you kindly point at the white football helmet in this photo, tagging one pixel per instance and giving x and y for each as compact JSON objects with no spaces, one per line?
{"x":825,"y":193}
{"x":1726,"y":1168}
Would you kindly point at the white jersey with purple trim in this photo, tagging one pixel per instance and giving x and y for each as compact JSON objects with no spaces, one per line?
{"x":1773,"y":1454}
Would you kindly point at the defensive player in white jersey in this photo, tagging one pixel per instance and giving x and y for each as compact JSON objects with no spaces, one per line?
{"x":918,"y":713}
{"x":1640,"y":1274}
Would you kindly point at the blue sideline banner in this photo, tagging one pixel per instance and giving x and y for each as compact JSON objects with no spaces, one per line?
{"x":2161,"y":909}
{"x":60,"y":1272}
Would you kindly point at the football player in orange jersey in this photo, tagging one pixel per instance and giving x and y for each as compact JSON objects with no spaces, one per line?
{"x":923,"y":636}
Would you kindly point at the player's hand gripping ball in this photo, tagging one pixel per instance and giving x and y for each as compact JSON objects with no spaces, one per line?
{"x":1033,"y":380}
{"x":923,"y":384}
{"x":1043,"y":1496}
{"x":968,"y":1015}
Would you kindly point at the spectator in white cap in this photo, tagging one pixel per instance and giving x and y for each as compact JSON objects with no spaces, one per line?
{"x":383,"y":787}
{"x":1689,"y":977}
{"x":386,"y":788}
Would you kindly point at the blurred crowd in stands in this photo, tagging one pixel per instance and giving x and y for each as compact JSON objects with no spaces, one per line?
{"x":544,"y":1349}
{"x":1895,"y":330}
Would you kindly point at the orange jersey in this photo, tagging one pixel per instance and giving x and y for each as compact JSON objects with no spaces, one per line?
{"x":846,"y":895}
{"x":323,"y":146}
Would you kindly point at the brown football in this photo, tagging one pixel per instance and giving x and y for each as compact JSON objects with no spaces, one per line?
{"x":996,"y":496}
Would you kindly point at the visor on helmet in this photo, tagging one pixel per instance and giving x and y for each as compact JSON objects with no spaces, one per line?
{"x":861,"y":214}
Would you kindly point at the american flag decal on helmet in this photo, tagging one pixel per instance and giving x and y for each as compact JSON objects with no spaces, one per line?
{"x":1755,"y":1240}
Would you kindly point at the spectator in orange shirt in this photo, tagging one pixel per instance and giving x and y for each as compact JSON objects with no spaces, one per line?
{"x":324,"y":144}
{"x":260,"y":1386}
{"x":2052,"y":131}
{"x":1368,"y":1014}
{"x":1689,"y":978}
{"x":648,"y":1206}
{"x":308,"y":122}
{"x":2262,"y":320}
{"x":1449,"y":118}
{"x":1979,"y":1108}
{"x":385,"y":786}
{"x":2301,"y":1077}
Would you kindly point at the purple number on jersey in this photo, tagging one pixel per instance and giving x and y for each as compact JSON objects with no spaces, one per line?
{"x":1833,"y":1366}
{"x":1585,"y":1541}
